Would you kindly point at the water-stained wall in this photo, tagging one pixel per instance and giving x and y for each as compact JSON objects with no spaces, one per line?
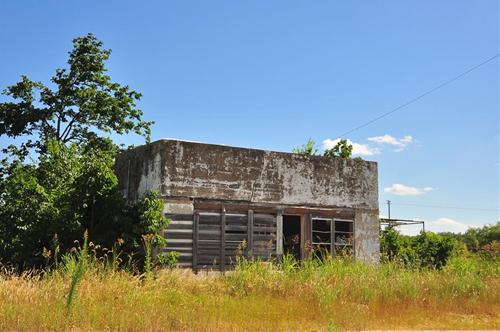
{"x":187,"y":169}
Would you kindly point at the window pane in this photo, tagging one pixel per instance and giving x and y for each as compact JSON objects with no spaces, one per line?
{"x":322,"y":225}
{"x":321,"y":237}
{"x":343,"y":226}
{"x":341,"y":238}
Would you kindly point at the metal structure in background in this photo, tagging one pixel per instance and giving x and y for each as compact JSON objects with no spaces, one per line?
{"x":389,"y":222}
{"x":400,"y":222}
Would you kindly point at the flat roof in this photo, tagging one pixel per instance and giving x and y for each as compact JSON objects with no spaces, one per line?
{"x":254,"y":149}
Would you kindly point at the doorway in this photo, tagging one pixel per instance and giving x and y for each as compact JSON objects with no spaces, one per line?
{"x":291,"y":236}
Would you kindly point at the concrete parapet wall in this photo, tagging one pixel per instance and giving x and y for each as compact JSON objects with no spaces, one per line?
{"x":187,"y":169}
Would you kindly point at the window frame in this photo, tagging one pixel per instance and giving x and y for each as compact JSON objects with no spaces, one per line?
{"x":332,"y":244}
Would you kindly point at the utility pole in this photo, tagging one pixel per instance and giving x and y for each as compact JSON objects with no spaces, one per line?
{"x":389,"y":208}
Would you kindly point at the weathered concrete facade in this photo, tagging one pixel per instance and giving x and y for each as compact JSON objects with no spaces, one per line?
{"x":194,"y":176}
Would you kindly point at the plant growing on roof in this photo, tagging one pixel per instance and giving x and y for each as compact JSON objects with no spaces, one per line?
{"x":307,"y":149}
{"x":342,"y":149}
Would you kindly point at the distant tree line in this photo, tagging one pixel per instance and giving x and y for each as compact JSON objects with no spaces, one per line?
{"x":484,"y":241}
{"x":429,"y":249}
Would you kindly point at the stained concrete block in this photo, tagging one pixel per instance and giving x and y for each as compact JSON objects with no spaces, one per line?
{"x":178,"y":208}
{"x":366,"y":236}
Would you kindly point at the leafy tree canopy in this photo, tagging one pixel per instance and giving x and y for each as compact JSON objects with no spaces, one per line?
{"x":424,"y":250}
{"x":83,"y":103}
{"x":477,"y":238}
{"x":72,"y":187}
{"x":70,"y":190}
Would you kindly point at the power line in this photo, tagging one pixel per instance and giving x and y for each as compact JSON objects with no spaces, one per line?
{"x":446,"y":207}
{"x":428,"y":92}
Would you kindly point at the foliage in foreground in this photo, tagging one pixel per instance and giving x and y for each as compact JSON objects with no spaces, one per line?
{"x":316,"y":295}
{"x":45,"y":207}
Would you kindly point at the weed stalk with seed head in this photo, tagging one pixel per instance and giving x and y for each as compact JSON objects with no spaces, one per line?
{"x":78,"y":273}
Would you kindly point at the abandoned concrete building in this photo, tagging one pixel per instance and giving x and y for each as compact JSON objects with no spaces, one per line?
{"x":226,"y":201}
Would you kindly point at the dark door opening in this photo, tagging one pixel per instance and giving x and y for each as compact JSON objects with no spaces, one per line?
{"x":291,"y":236}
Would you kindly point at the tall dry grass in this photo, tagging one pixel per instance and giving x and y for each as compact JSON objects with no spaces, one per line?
{"x":315,"y":296}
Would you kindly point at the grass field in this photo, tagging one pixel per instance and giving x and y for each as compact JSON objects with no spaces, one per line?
{"x":330,"y":296}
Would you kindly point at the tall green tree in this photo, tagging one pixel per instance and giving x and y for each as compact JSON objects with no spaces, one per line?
{"x":72,"y":186}
{"x":81,"y":103}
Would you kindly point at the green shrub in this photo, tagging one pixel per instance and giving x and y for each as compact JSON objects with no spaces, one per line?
{"x":70,"y":190}
{"x":424,"y":250}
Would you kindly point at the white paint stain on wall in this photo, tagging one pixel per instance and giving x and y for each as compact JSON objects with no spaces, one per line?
{"x":151,"y":179}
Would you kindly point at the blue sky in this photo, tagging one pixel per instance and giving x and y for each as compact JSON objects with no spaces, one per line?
{"x":271,"y":74}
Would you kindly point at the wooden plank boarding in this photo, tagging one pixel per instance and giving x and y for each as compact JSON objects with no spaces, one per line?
{"x":218,"y":235}
{"x":179,"y":236}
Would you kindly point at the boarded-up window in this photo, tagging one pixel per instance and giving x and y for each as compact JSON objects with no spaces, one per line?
{"x":209,"y":240}
{"x":264,"y":236}
{"x":179,"y":236}
{"x":214,"y":240}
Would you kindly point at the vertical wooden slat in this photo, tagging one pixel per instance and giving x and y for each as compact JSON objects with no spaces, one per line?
{"x":354,"y":223}
{"x":223,"y":239}
{"x":279,"y":233}
{"x":306,"y":227}
{"x":333,"y":250}
{"x":196,"y":227}
{"x":250,"y":233}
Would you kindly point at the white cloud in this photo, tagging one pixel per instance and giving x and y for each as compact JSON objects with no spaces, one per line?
{"x":400,"y":144}
{"x":402,"y":190}
{"x":447,"y":225}
{"x":439,"y":225}
{"x":412,"y":230}
{"x":357,"y":149}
